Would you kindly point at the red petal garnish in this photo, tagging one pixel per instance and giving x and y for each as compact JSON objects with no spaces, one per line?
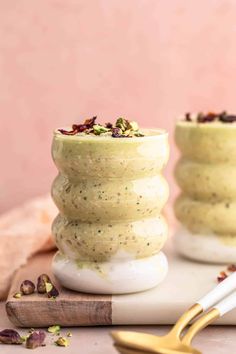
{"x":232,"y":268}
{"x":222,"y":276}
{"x":227,"y":118}
{"x":79,"y":128}
{"x":108,"y":125}
{"x":66,"y":132}
{"x":90,"y":122}
{"x":209,"y":117}
{"x":188,"y":117}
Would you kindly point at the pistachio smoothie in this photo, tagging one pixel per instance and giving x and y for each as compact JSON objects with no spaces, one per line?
{"x":206,"y":174}
{"x":110,"y":193}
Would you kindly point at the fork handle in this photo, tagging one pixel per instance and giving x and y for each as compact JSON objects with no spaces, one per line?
{"x":198,"y":325}
{"x":224,"y":306}
{"x":227,"y":304}
{"x":219,"y":292}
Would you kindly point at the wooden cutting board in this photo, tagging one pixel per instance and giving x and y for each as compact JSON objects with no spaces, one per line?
{"x":186,"y":282}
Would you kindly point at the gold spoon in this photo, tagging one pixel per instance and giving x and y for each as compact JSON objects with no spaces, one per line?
{"x":141,"y":343}
{"x":171,"y":343}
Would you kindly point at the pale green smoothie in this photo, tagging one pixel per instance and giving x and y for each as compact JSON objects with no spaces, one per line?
{"x":110,"y":193}
{"x":206,"y":174}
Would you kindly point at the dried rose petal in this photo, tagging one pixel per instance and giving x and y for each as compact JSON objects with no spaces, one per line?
{"x":227,"y":118}
{"x":109,"y":125}
{"x":123,"y":128}
{"x":90,"y":122}
{"x":10,"y":336}
{"x":35,"y":339}
{"x":209,"y":117}
{"x":79,"y":128}
{"x":66,"y":132}
{"x":222,"y":276}
{"x":188,"y":117}
{"x":41,"y":283}
{"x":27,"y":287}
{"x":232,"y":268}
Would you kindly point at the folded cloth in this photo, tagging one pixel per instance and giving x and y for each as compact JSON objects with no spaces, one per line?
{"x":24,"y":231}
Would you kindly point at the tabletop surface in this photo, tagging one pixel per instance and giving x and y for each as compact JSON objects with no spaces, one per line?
{"x":96,"y":340}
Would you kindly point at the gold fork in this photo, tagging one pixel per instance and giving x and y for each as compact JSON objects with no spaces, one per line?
{"x":134,"y":342}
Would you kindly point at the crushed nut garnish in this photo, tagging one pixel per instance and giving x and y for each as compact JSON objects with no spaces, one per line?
{"x":41,"y":283}
{"x":51,"y":290}
{"x":99,"y":129}
{"x":123,"y":128}
{"x":54,"y":329}
{"x":69,"y":334}
{"x":117,"y":133}
{"x":62,"y":342}
{"x":27,"y":287}
{"x":10,"y":336}
{"x":24,"y":338}
{"x":35,"y":339}
{"x":17,"y":295}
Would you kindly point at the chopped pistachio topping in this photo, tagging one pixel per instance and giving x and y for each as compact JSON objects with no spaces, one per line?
{"x":17,"y":295}
{"x":52,"y":291}
{"x":133,"y":126}
{"x":62,"y":342}
{"x":54,"y":329}
{"x":10,"y":336}
{"x":35,"y":339}
{"x":41,"y":283}
{"x":99,"y":129}
{"x":24,"y":338}
{"x":123,"y":124}
{"x":27,"y":287}
{"x":123,"y":128}
{"x":49,"y":287}
{"x":69,"y":334}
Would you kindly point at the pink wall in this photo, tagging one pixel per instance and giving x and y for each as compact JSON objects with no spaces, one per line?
{"x":148,"y":60}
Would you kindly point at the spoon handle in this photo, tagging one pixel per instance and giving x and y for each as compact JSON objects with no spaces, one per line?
{"x":199,"y":324}
{"x":224,"y":306}
{"x":219,"y":292}
{"x":227,"y":304}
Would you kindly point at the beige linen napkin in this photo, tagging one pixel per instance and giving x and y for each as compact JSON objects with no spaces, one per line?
{"x":24,"y":231}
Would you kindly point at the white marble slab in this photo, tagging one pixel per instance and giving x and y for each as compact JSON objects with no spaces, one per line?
{"x":186,"y":282}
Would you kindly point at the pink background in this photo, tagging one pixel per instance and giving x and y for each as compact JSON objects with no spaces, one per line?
{"x":62,"y":60}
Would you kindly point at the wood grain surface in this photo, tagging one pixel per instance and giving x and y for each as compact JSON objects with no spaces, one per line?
{"x":69,"y":309}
